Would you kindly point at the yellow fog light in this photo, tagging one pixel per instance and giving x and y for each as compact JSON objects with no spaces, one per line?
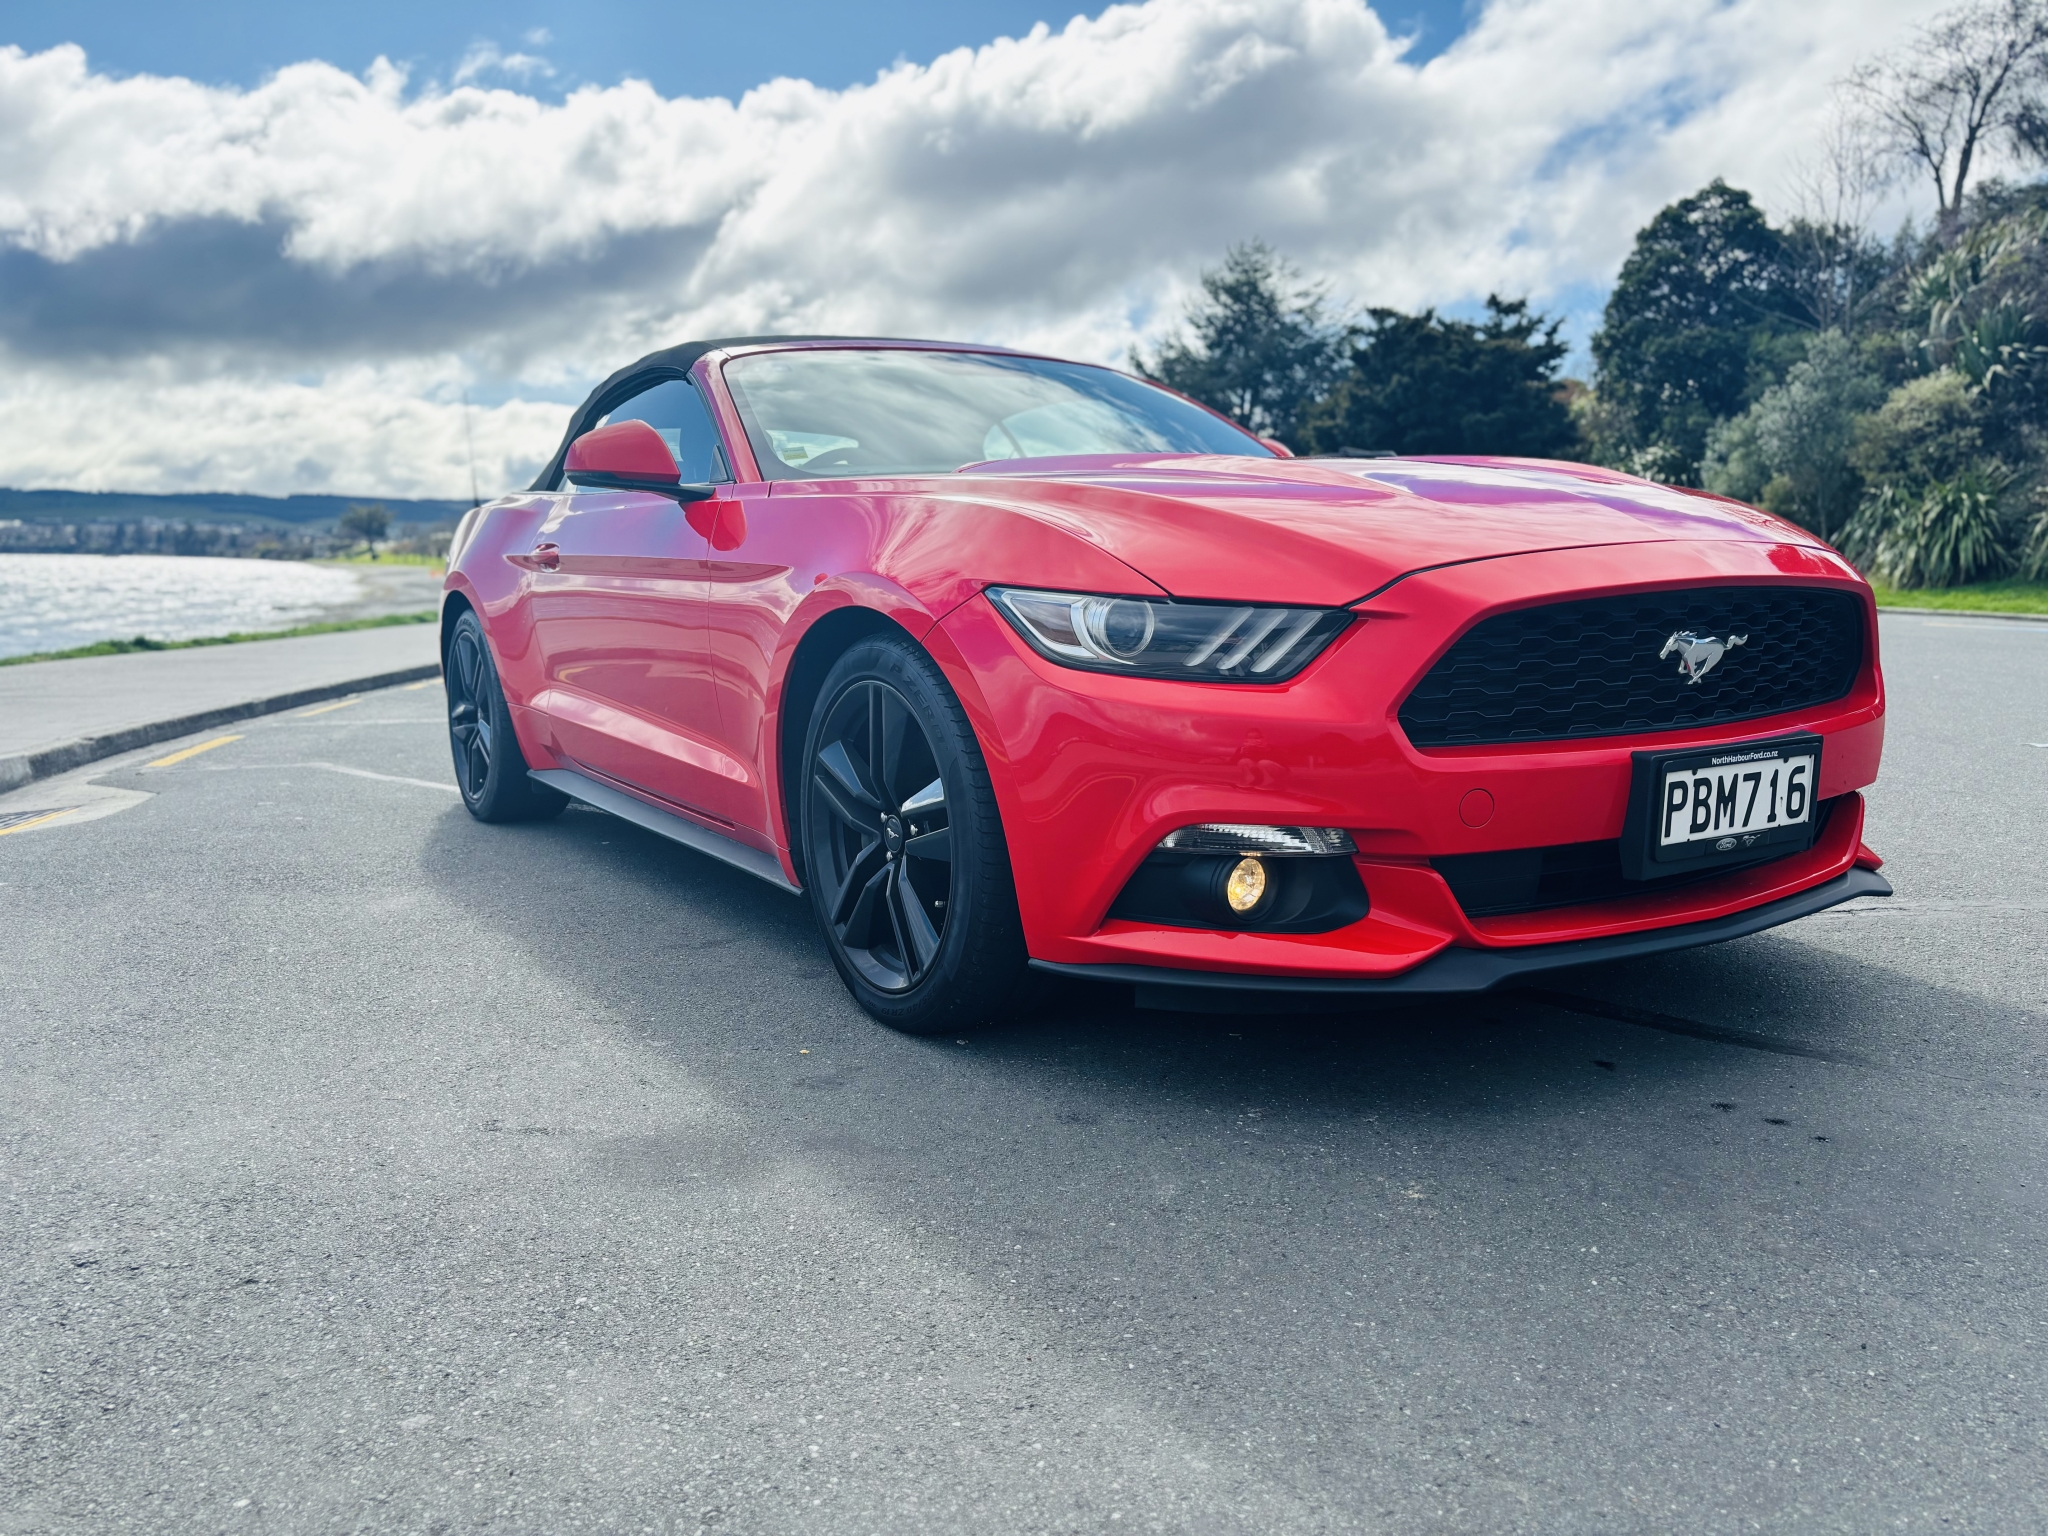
{"x":1246,"y":887}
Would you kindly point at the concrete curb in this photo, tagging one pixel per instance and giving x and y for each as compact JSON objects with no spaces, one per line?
{"x":1970,"y":613}
{"x":24,"y":768}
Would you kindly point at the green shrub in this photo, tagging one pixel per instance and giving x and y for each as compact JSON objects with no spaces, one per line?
{"x":1735,"y":464}
{"x":2033,"y":561}
{"x":1791,"y":450}
{"x":1950,"y":534}
{"x":1928,"y":430}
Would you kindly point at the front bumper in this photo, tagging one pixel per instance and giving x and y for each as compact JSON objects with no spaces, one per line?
{"x":1091,"y":770}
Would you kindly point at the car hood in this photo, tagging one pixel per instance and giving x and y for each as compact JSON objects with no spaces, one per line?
{"x":1332,"y":531}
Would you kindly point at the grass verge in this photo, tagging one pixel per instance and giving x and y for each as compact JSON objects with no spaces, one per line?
{"x":144,"y":643}
{"x":1983,"y":597}
{"x":438,"y":563}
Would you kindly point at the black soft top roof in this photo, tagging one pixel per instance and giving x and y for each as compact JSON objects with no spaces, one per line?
{"x":669,"y":363}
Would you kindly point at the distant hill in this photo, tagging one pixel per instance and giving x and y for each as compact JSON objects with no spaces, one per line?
{"x":210,"y":507}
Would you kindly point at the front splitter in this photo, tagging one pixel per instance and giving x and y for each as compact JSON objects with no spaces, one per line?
{"x":1456,"y":970}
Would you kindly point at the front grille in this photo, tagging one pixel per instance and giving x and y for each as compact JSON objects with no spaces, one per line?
{"x":1531,"y":879}
{"x":1593,"y":668}
{"x":1570,"y":875}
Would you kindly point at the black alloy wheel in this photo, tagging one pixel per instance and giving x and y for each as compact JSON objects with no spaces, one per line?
{"x":490,"y":770}
{"x":469,"y":725}
{"x":885,"y":847}
{"x":904,"y":856}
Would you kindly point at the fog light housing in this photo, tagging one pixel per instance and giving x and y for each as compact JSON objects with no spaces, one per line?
{"x":1245,"y":888}
{"x":1244,"y":877}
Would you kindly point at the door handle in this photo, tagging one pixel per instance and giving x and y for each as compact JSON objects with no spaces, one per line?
{"x":545,"y":557}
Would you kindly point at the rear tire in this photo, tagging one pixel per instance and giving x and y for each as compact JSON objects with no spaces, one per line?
{"x":490,"y":770}
{"x":905,"y":862}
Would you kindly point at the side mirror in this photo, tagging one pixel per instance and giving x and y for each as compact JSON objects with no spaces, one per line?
{"x":628,"y":456}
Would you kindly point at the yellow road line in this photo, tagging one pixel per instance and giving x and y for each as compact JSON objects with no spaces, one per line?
{"x":23,"y":826}
{"x":321,"y":709}
{"x":204,"y":746}
{"x":432,"y":682}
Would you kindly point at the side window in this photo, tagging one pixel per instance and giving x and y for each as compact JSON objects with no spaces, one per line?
{"x":675,"y":410}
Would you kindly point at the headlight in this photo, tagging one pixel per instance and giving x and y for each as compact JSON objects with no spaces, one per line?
{"x":1158,"y":637}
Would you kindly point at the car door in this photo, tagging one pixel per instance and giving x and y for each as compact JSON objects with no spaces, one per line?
{"x":618,"y":602}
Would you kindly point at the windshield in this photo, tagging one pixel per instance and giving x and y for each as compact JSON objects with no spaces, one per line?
{"x":894,"y":411}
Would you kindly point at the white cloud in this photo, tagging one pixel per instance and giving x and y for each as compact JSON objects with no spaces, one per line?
{"x":324,"y":237}
{"x":391,"y":431}
{"x":488,"y":58}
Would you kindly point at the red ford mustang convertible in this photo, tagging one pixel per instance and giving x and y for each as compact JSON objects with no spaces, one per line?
{"x":1003,"y":661}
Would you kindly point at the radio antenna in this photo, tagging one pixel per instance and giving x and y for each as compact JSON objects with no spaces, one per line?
{"x":469,"y":441}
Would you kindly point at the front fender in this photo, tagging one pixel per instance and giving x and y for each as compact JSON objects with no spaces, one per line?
{"x":497,"y":591}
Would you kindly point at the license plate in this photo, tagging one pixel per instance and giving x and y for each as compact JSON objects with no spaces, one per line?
{"x":1735,"y":799}
{"x":1721,"y":805}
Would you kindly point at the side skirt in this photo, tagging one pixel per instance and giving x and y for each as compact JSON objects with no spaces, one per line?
{"x":666,"y":824}
{"x":1452,"y":971}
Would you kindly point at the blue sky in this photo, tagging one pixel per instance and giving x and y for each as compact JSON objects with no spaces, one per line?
{"x":683,"y":47}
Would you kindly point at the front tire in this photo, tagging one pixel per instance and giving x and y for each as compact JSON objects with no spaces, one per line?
{"x":904,"y":856}
{"x":490,"y":770}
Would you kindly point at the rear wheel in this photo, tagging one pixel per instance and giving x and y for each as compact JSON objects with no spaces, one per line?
{"x":490,"y":770}
{"x":904,"y":854}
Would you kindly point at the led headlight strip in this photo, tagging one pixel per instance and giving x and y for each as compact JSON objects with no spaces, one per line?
{"x":1159,"y":637}
{"x":1239,"y":837}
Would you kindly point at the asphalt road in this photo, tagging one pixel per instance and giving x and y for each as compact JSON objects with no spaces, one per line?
{"x":367,"y":1169}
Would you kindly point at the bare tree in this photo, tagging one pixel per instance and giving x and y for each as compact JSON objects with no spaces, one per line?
{"x":1836,"y":263}
{"x":1971,"y":78}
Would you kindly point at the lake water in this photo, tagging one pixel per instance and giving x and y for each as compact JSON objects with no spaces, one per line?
{"x":54,"y":602}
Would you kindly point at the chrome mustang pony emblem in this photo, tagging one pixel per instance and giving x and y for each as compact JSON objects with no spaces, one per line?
{"x":1698,"y":655}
